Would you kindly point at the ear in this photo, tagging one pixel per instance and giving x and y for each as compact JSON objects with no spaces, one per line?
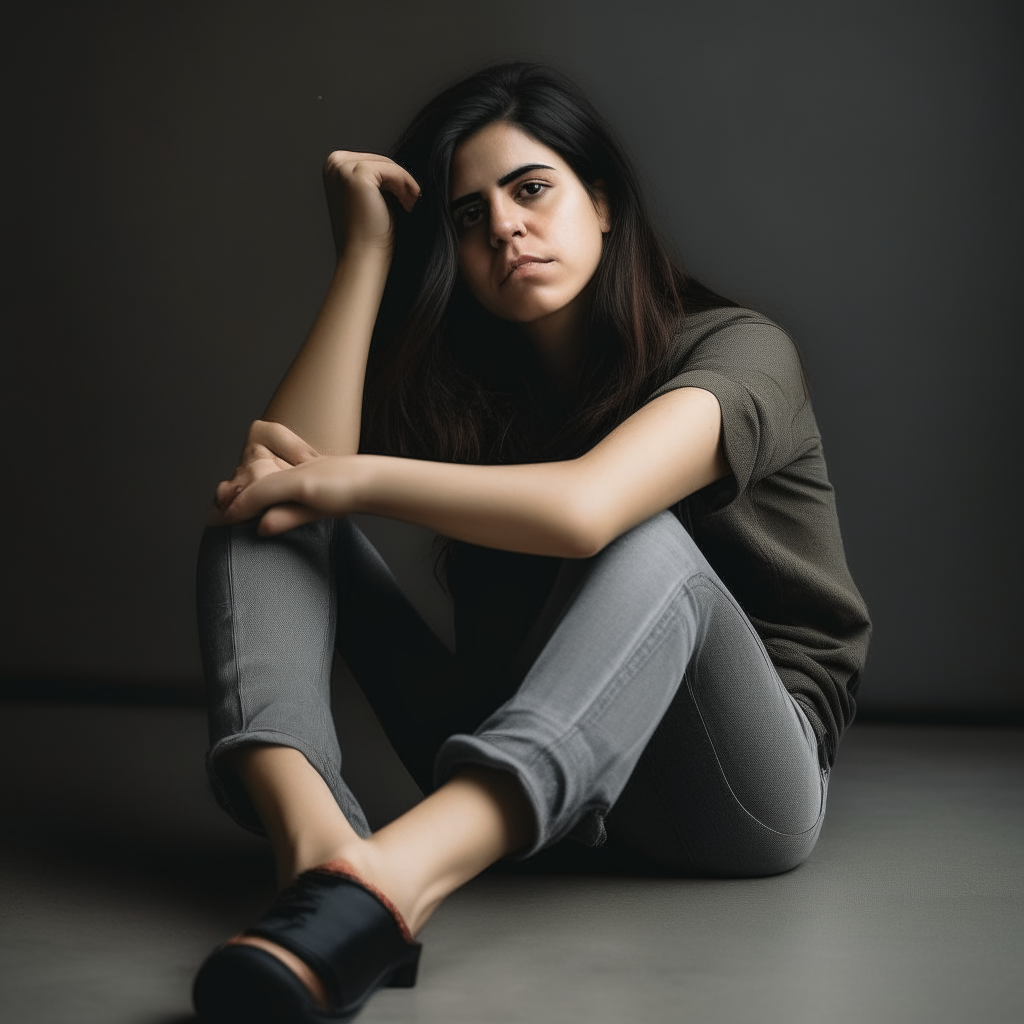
{"x":600,"y":199}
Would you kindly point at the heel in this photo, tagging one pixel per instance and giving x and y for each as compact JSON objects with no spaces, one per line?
{"x":404,"y":976}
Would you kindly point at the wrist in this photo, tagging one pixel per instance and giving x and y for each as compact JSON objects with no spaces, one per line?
{"x":363,"y":479}
{"x":364,"y":252}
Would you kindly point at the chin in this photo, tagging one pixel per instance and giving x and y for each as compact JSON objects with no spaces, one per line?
{"x":532,"y":311}
{"x":526,"y":317}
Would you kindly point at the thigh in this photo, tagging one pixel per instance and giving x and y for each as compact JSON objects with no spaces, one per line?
{"x":602,"y":691}
{"x":730,"y":782}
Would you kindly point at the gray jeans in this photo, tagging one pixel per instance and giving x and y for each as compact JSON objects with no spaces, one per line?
{"x":645,"y":706}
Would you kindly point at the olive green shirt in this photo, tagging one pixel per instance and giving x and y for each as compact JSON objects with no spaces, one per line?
{"x":770,"y":530}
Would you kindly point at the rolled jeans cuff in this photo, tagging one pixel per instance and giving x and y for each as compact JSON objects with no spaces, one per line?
{"x":545,"y":781}
{"x":230,"y":794}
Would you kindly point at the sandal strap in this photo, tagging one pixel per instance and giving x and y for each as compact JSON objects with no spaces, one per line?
{"x":348,"y":933}
{"x":345,"y":870}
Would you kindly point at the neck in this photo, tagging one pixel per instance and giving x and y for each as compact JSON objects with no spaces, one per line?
{"x":558,"y":341}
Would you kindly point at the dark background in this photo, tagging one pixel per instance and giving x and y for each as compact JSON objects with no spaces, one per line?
{"x":852,"y":169}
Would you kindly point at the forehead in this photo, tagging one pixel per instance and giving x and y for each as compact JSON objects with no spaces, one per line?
{"x":489,"y":154}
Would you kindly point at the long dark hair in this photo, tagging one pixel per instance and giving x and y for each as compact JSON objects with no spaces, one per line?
{"x":448,"y":381}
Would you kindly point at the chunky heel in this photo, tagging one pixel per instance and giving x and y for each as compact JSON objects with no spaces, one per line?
{"x":404,"y":976}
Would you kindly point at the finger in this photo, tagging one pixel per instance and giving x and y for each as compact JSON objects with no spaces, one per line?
{"x":387,"y":176}
{"x":226,"y":492}
{"x":252,"y":451}
{"x":243,"y":476}
{"x":272,"y":489}
{"x":264,"y":467}
{"x":281,"y":518}
{"x":286,"y":444}
{"x":339,"y":159}
{"x":279,"y":440}
{"x":402,"y":185}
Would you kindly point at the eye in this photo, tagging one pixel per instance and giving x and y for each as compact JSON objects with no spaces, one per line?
{"x":532,"y":188}
{"x":468,"y":217}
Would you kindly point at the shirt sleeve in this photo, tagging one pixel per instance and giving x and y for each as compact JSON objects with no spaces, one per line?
{"x":754,"y":370}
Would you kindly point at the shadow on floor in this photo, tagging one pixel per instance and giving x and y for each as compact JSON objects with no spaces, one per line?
{"x":120,"y":874}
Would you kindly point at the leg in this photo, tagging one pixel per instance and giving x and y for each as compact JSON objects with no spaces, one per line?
{"x":730,"y":783}
{"x":334,"y":937}
{"x":555,"y":757}
{"x":267,"y":611}
{"x":628,"y":626}
{"x":267,"y":621}
{"x":733,"y":761}
{"x":605,"y":661}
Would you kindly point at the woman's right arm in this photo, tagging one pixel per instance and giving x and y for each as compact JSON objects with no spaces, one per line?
{"x":321,"y":396}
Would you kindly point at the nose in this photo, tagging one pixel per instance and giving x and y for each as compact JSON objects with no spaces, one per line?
{"x":506,"y":222}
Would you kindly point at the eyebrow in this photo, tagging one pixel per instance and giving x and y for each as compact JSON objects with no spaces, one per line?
{"x":502,"y":182}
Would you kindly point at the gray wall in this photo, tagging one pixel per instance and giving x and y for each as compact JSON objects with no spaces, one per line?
{"x":851,"y":169}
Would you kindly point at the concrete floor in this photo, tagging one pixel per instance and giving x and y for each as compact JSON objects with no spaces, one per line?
{"x":119,"y":874}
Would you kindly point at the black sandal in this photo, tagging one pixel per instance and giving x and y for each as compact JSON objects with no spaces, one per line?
{"x":350,"y":935}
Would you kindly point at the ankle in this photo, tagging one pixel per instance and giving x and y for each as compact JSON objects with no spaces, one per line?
{"x":304,"y":853}
{"x":369,"y":862}
{"x":397,"y":878}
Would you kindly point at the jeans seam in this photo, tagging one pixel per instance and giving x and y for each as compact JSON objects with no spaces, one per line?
{"x":710,"y":584}
{"x":327,"y":654}
{"x":234,"y":638}
{"x":640,"y":654}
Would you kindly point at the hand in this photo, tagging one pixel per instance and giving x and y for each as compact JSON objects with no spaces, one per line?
{"x":355,"y":184}
{"x":323,"y":486}
{"x":269,"y":448}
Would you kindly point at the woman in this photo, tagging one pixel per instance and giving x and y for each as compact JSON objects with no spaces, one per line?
{"x":658,"y":639}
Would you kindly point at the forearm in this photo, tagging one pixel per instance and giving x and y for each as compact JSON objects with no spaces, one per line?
{"x":321,"y":395}
{"x":572,"y":509}
{"x":538,"y":508}
{"x":669,"y":449}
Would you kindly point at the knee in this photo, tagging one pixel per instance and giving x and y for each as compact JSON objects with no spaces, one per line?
{"x":660,"y":542}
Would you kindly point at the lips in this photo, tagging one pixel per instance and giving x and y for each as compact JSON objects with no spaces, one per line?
{"x":520,"y":261}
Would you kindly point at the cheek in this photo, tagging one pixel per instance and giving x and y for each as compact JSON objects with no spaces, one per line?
{"x":582,"y":232}
{"x":586,"y":254}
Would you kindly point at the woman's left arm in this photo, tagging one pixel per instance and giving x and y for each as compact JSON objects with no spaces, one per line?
{"x":572,"y":509}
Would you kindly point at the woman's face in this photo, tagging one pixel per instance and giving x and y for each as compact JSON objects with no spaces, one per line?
{"x":530,"y":235}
